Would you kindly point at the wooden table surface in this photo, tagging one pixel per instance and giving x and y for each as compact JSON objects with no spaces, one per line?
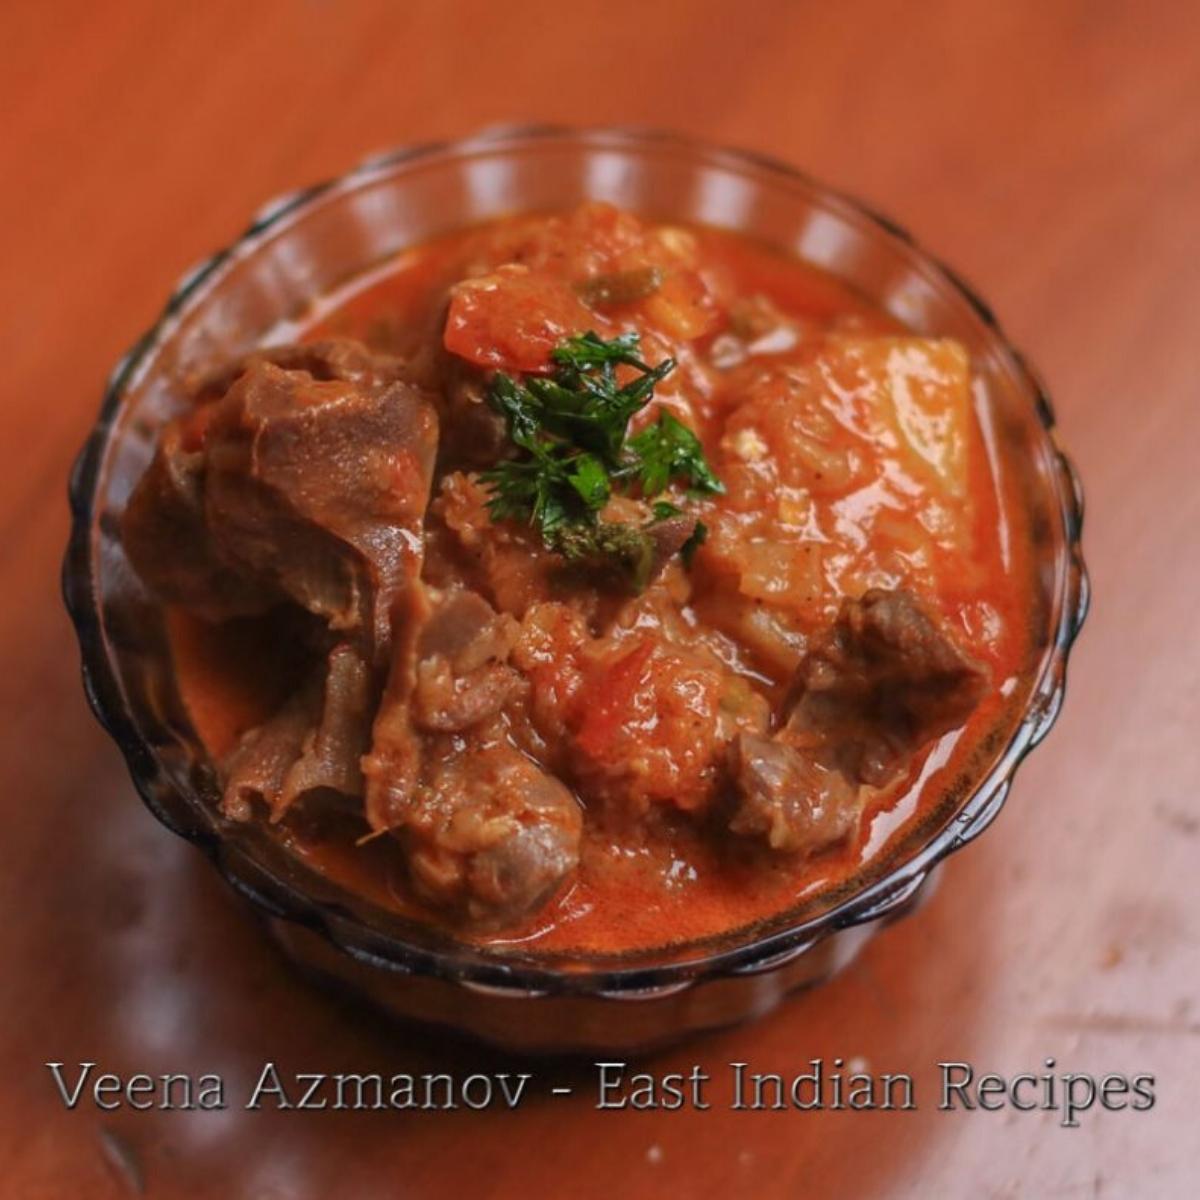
{"x":1052,"y":152}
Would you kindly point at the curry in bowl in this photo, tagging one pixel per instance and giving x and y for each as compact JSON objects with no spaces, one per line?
{"x":589,"y":584}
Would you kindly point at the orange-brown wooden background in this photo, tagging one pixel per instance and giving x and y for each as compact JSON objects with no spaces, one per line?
{"x":1052,"y":152}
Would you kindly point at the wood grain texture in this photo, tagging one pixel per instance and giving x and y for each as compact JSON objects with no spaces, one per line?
{"x":1052,"y":152}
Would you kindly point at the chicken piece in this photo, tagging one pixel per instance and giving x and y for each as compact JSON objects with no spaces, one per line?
{"x":167,"y":539}
{"x":489,"y":836}
{"x":668,"y":538}
{"x":462,"y":677}
{"x":882,"y":682}
{"x":336,"y":359}
{"x":254,"y":770}
{"x":328,"y":359}
{"x":627,"y":555}
{"x":474,"y":434}
{"x":872,"y":691}
{"x":314,"y":743}
{"x":448,"y":673}
{"x":486,"y":834}
{"x":791,"y":802}
{"x":392,"y":767}
{"x":331,"y":753}
{"x":305,"y":482}
{"x":504,"y":561}
{"x":320,"y":487}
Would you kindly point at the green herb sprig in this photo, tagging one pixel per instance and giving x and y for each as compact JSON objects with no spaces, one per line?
{"x":570,"y":430}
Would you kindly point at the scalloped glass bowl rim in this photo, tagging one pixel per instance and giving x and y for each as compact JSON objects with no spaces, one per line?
{"x":482,"y":970}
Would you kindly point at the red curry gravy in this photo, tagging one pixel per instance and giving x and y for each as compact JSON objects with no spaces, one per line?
{"x":782,"y":370}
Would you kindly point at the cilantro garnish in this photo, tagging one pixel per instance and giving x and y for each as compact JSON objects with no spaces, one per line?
{"x":570,"y":431}
{"x":669,"y":450}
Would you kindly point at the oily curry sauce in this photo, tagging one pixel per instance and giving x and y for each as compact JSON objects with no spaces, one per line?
{"x":851,"y":458}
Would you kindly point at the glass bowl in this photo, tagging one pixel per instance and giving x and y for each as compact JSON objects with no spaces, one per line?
{"x":303,"y":245}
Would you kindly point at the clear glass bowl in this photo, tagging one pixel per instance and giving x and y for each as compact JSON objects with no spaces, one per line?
{"x":307,"y":243}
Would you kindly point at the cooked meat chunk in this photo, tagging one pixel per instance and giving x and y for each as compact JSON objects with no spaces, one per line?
{"x":444,"y":702}
{"x":336,"y":358}
{"x":392,"y":767}
{"x":307,"y":482}
{"x":882,"y":682}
{"x":320,"y":487}
{"x":490,"y":836}
{"x":467,"y":632}
{"x":314,"y":743}
{"x":332,"y":750}
{"x":447,"y":673}
{"x":462,"y":676}
{"x":168,"y":541}
{"x":474,"y":434}
{"x":327,"y":359}
{"x":254,"y":771}
{"x":789,"y":800}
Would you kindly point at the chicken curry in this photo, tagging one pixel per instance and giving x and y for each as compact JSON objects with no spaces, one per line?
{"x":588,"y":583}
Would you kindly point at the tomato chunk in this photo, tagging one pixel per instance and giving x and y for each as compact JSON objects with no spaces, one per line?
{"x":623,"y":697}
{"x":511,"y":319}
{"x":651,"y":730}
